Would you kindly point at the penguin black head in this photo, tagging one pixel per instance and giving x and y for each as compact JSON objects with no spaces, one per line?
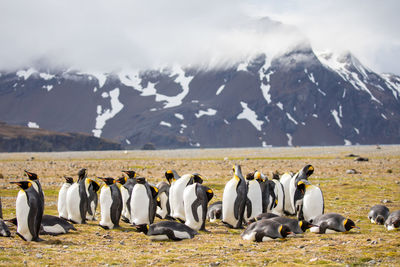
{"x":141,"y":180}
{"x":13,"y":221}
{"x":302,"y":185}
{"x":349,"y":224}
{"x":304,"y":225}
{"x":210,"y":194}
{"x":284,"y":230}
{"x":82,"y":174}
{"x":259,"y":177}
{"x":122,"y":180}
{"x":108,"y":180}
{"x":250,"y":176}
{"x":131,"y":174}
{"x":32,"y":176}
{"x":144,"y":228}
{"x":380,"y":219}
{"x":95,"y":185}
{"x":309,"y":169}
{"x":23,"y":184}
{"x":197,"y":178}
{"x":69,"y":180}
{"x":275,"y":176}
{"x":170,"y":176}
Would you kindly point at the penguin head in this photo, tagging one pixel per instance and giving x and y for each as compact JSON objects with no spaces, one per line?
{"x":306,"y":172}
{"x":170,"y":176}
{"x":302,"y":185}
{"x":197,"y":178}
{"x":23,"y":184}
{"x":259,"y":176}
{"x":275,"y":176}
{"x":141,"y":180}
{"x":122,"y":180}
{"x":304,"y":225}
{"x":284,"y":230}
{"x":108,"y":180}
{"x":69,"y":180}
{"x":250,"y":176}
{"x":131,"y":174}
{"x":209,"y":193}
{"x":32,"y":176}
{"x":144,"y":228}
{"x":349,"y":224}
{"x":82,"y":174}
{"x":95,"y":186}
{"x":237,"y":172}
{"x":379,"y":219}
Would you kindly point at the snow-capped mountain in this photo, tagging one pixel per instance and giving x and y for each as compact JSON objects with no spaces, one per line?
{"x":298,"y":98}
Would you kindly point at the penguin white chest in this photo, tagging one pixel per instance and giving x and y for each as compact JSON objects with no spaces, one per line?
{"x":228,"y":202}
{"x":177,"y":201}
{"x":285,"y":180}
{"x":22,"y":213}
{"x":280,"y":195}
{"x":163,"y":211}
{"x":73,"y":202}
{"x":313,"y":203}
{"x":62,"y":201}
{"x":189,"y":197}
{"x":254,"y":194}
{"x":105,"y":207}
{"x":140,"y":205}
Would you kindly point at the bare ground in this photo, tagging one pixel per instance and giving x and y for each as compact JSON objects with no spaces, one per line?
{"x":349,"y":194}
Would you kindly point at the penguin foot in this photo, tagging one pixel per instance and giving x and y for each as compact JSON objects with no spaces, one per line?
{"x":124,"y":219}
{"x":38,"y":239}
{"x":104,"y":227}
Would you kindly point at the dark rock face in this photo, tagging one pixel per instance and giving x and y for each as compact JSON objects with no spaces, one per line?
{"x":298,"y":98}
{"x":24,"y":139}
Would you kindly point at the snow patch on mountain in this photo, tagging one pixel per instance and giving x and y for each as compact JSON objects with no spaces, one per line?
{"x":290,"y":139}
{"x":25,"y":73}
{"x":208,"y":112}
{"x":179,"y":116}
{"x":48,"y":87}
{"x":249,"y":115}
{"x":280,"y":105}
{"x":104,"y":116}
{"x":32,"y":124}
{"x":336,"y":117}
{"x":46,"y":76}
{"x":101,"y":77}
{"x":347,"y":142}
{"x":291,"y":118}
{"x":220,"y":89}
{"x":393,"y":83}
{"x":164,"y":123}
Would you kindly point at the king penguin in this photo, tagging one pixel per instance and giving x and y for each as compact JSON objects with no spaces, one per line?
{"x":195,"y":201}
{"x":214,"y":211}
{"x":254,"y":198}
{"x":296,"y":227}
{"x":309,"y":201}
{"x":51,"y":225}
{"x":285,"y":180}
{"x":164,"y":210}
{"x":378,"y":214}
{"x":331,"y":223}
{"x":280,"y":196}
{"x":265,"y":230}
{"x":110,"y":204}
{"x":77,"y":198}
{"x":234,"y":199}
{"x":264,"y":185}
{"x":143,"y":203}
{"x":302,"y":174}
{"x":168,"y":230}
{"x":62,"y":198}
{"x":38,"y":187}
{"x":176,"y":194}
{"x":393,"y":221}
{"x":126,"y":192}
{"x":262,"y":216}
{"x":93,"y":188}
{"x":28,"y":210}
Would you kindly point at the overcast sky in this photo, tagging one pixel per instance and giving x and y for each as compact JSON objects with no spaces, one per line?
{"x":100,"y":35}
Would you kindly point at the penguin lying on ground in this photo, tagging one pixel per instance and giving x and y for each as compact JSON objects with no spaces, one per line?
{"x":295,"y":226}
{"x":378,"y":214}
{"x":393,"y":221}
{"x":51,"y":225}
{"x":234,"y":199}
{"x":331,"y":223}
{"x":195,"y":201}
{"x":168,"y":230}
{"x":62,"y":198}
{"x":265,"y":230}
{"x":110,"y":204}
{"x":28,"y":209}
{"x":214,"y":211}
{"x":265,"y":215}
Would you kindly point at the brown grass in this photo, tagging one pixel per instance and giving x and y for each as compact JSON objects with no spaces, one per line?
{"x":350,"y":195}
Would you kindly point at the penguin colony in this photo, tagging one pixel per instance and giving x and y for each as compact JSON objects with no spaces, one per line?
{"x":254,"y":203}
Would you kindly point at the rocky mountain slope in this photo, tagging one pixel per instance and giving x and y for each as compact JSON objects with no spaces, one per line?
{"x":296,"y":99}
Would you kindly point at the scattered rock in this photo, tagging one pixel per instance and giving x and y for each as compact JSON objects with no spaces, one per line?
{"x":389,"y":171}
{"x":337,"y":198}
{"x":25,"y":262}
{"x":361,"y":159}
{"x":301,"y":246}
{"x":107,"y":236}
{"x":226,"y":159}
{"x":386,"y":201}
{"x":352,"y":171}
{"x":397,"y":182}
{"x":351,"y":156}
{"x":374,"y":242}
{"x":149,"y":146}
{"x":215,"y":263}
{"x":122,"y":242}
{"x":65,"y":246}
{"x":369,"y":239}
{"x":313,"y":259}
{"x":1,"y":176}
{"x":39,"y":256}
{"x":372,"y":262}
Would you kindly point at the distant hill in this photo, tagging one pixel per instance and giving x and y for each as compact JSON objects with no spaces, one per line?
{"x":24,"y":139}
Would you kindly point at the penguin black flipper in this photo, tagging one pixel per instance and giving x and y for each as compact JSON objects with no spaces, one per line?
{"x":116,"y":206}
{"x":240,"y":203}
{"x":248,"y":207}
{"x":152,"y":191}
{"x":35,"y":216}
{"x":271,"y":186}
{"x":83,"y":204}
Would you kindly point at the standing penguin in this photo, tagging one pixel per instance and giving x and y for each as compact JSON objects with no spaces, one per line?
{"x":265,"y":188}
{"x":234,"y":199}
{"x":303,"y":174}
{"x":38,"y":187}
{"x":92,"y":200}
{"x":285,"y":180}
{"x":309,"y":201}
{"x":28,"y":210}
{"x":378,"y":214}
{"x":126,"y":192}
{"x":62,"y":198}
{"x":393,"y":221}
{"x":176,"y":194}
{"x":77,"y":198}
{"x":331,"y":223}
{"x":110,"y":204}
{"x":164,"y":210}
{"x":280,"y":197}
{"x":195,"y":200}
{"x":254,"y":198}
{"x":143,"y":203}
{"x":265,"y":230}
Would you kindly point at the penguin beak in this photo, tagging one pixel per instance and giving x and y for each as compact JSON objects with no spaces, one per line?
{"x":17,"y":183}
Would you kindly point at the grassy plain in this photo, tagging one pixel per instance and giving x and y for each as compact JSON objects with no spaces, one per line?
{"x":349,"y":194}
